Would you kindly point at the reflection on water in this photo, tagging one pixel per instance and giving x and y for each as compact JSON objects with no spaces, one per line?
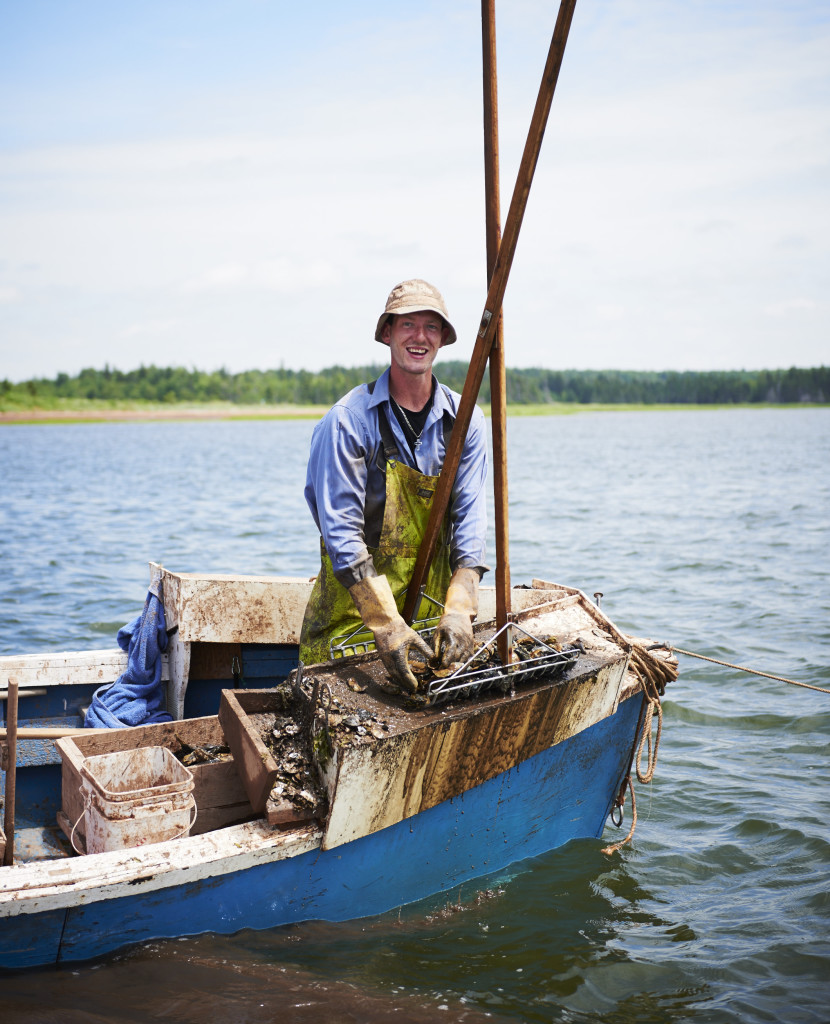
{"x":706,"y":529}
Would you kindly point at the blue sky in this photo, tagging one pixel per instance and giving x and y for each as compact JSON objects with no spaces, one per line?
{"x":241,"y":183}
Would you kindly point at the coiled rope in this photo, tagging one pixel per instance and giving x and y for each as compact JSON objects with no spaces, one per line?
{"x":654,"y":673}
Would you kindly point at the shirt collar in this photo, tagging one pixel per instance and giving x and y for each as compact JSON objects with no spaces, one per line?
{"x":440,"y":402}
{"x":381,"y":390}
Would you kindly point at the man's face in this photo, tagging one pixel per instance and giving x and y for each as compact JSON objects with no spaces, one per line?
{"x":414,"y":340}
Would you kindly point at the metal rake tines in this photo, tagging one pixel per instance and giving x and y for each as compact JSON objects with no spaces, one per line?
{"x":467,"y":681}
{"x":362,"y":641}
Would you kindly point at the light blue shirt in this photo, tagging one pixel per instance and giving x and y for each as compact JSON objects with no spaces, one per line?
{"x":346,"y":488}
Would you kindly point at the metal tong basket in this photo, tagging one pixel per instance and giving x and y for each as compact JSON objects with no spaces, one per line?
{"x":468,"y":681}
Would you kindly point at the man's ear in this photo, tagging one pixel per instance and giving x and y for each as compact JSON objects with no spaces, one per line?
{"x":386,"y":332}
{"x":445,"y":333}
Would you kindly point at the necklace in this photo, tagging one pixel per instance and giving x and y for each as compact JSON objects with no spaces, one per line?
{"x":399,"y":409}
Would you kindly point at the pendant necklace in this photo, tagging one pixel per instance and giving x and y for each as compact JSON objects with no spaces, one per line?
{"x":409,"y":425}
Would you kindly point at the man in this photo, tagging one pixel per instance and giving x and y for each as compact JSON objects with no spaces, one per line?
{"x":374,"y":462}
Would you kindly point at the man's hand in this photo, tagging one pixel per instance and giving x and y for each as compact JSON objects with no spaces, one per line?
{"x":454,"y":636}
{"x":394,"y":640}
{"x":395,"y":645}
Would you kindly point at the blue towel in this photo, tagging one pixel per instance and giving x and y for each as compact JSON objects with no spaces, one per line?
{"x":137,"y":696}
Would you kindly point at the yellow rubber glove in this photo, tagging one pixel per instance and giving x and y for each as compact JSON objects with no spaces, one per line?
{"x":394,"y":640}
{"x":454,"y":636}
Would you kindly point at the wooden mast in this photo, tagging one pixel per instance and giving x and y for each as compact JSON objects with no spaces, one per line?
{"x":498,"y":390}
{"x":492,"y":306}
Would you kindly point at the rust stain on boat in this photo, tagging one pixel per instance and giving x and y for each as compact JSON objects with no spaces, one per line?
{"x":441,"y":754}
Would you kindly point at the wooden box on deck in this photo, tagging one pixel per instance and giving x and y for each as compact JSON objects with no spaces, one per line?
{"x":217,"y":788}
{"x":244,"y":715}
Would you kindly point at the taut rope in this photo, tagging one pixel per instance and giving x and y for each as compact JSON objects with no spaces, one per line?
{"x":752,"y":671}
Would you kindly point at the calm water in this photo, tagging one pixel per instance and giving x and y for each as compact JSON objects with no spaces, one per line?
{"x":707,"y":529}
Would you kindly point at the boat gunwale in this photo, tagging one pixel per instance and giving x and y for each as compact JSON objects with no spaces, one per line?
{"x":59,"y":881}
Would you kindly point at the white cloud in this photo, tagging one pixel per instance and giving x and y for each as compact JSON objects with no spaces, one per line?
{"x":151,"y":328}
{"x":789,"y":306}
{"x":680,"y":214}
{"x":278,"y":275}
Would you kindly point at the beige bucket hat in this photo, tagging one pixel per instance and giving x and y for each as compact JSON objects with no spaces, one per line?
{"x":412,"y":297}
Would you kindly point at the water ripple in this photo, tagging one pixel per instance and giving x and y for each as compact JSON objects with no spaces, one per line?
{"x":709,"y":530}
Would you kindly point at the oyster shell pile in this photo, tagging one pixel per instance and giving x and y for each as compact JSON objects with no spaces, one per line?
{"x":358,"y":722}
{"x":204,"y":753}
{"x":289,"y":745}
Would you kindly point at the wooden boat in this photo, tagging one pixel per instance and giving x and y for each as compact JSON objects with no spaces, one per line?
{"x":449,"y":792}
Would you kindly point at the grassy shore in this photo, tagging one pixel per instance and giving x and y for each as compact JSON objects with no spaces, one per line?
{"x":91,"y":411}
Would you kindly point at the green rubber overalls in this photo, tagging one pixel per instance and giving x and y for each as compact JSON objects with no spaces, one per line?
{"x":330,"y":615}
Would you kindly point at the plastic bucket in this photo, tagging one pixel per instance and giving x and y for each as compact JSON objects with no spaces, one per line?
{"x":135,"y":798}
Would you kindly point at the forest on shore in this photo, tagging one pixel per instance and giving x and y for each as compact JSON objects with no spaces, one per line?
{"x":533,"y":386}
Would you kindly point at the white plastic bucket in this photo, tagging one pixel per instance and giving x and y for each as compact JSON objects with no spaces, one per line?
{"x":136,"y":797}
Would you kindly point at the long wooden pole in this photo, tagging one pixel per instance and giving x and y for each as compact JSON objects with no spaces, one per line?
{"x":11,"y":771}
{"x":49,"y":732}
{"x":492,"y":305}
{"x":498,"y":387}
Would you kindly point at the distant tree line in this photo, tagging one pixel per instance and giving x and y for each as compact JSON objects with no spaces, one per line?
{"x":524,"y":386}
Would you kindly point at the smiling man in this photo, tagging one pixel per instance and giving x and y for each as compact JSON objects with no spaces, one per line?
{"x":375,"y":459}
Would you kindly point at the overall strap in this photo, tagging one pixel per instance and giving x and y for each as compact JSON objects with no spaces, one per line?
{"x":448,"y":423}
{"x":387,"y":438}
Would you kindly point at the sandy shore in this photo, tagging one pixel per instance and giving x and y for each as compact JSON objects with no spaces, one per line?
{"x":208,"y":412}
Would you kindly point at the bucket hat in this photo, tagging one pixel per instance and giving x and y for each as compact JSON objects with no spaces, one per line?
{"x":414,"y":296}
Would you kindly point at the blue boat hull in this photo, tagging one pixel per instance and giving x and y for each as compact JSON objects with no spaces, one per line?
{"x":562,"y":793}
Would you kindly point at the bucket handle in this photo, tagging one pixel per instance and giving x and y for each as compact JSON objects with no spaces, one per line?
{"x":194,"y":808}
{"x":187,"y":829}
{"x":85,"y":808}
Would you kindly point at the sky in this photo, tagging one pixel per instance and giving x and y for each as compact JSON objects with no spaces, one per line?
{"x":240,"y":183}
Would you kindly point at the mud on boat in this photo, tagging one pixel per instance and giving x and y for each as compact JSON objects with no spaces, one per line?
{"x":411,"y":799}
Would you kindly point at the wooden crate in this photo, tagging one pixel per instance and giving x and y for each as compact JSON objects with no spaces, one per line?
{"x":217,"y":788}
{"x":244,"y":715}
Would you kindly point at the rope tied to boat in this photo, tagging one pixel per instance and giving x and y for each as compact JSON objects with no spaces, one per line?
{"x":653,"y":673}
{"x":619,"y":802}
{"x":751,"y":671}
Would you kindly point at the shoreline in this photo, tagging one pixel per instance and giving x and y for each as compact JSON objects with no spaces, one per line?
{"x":192,"y":413}
{"x":170,"y":414}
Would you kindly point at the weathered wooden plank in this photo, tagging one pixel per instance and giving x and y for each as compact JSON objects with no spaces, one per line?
{"x":241,"y":716}
{"x":50,"y":733}
{"x":222,"y":608}
{"x":45,"y":885}
{"x":69,"y":668}
{"x":178,"y":653}
{"x":225,"y":608}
